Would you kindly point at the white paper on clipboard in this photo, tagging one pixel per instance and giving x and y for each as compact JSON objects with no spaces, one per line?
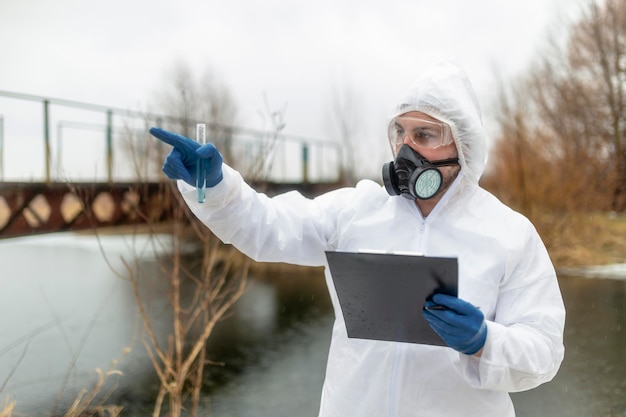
{"x":382,"y":294}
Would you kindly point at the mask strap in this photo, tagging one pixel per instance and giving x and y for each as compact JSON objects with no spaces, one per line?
{"x":446,"y":162}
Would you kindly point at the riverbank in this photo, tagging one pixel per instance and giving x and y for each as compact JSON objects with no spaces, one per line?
{"x":589,"y":240}
{"x":613,"y":271}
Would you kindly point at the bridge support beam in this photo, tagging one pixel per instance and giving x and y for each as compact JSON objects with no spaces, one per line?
{"x":34,"y":208}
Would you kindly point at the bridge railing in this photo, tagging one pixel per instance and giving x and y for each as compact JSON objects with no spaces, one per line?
{"x":84,"y":141}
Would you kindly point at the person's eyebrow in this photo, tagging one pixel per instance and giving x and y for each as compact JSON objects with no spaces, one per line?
{"x":426,"y":128}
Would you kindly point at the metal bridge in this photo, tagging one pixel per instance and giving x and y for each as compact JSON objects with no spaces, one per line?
{"x":49,"y":196}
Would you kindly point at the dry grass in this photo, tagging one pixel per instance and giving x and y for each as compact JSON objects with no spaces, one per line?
{"x":88,"y":402}
{"x":7,"y":409}
{"x":578,"y":239}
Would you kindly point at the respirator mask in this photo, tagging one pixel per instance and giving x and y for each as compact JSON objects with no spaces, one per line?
{"x":413,"y":176}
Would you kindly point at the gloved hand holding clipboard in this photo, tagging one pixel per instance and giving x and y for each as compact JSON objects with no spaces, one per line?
{"x":382,"y":295}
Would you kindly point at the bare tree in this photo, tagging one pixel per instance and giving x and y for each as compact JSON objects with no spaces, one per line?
{"x":597,"y":56}
{"x":580,"y":89}
{"x":201,"y":277}
{"x":569,"y":116}
{"x":512,"y":149}
{"x":263,"y":157}
{"x":343,"y":125}
{"x":192,"y":99}
{"x":181,"y":98}
{"x":201,"y":290}
{"x":220,"y":110}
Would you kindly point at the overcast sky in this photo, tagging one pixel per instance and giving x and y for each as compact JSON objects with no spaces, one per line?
{"x":117,"y":52}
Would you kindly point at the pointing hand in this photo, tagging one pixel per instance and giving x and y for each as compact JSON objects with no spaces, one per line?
{"x":182,"y":162}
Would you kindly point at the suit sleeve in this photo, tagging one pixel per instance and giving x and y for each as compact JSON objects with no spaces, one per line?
{"x":524,"y":346}
{"x":286,"y":228}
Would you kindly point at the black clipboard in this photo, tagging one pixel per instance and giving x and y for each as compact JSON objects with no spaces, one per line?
{"x":382,"y":295}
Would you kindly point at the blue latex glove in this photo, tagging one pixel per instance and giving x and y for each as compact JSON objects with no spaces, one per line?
{"x":182,"y":162}
{"x":461,"y":325}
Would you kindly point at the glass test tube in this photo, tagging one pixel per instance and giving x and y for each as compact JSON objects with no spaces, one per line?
{"x":200,"y":176}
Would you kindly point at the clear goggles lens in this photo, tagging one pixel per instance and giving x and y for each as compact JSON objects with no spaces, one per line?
{"x":421,"y":132}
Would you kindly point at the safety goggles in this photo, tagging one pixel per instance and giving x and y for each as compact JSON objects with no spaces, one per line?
{"x":421,"y":132}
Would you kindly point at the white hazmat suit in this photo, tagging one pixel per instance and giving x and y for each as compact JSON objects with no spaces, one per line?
{"x":504,"y":269}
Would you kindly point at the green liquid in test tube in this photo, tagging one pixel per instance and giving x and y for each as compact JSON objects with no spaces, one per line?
{"x":200,"y":177}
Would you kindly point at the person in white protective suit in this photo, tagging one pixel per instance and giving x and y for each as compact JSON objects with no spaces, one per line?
{"x":504,"y":332}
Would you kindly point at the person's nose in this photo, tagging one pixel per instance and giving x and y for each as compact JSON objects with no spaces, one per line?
{"x":405,"y":141}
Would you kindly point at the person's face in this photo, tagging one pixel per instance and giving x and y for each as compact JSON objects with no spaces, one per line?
{"x":416,"y":125}
{"x":417,"y":122}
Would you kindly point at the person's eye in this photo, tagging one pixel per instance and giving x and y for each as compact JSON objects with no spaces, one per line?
{"x":425,"y":134}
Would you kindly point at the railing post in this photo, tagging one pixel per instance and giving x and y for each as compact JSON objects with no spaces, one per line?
{"x":46,"y":137}
{"x":341,"y":174}
{"x":305,"y":163}
{"x":109,"y":140}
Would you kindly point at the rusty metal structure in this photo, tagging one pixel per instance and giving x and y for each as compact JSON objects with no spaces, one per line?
{"x":35,"y":208}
